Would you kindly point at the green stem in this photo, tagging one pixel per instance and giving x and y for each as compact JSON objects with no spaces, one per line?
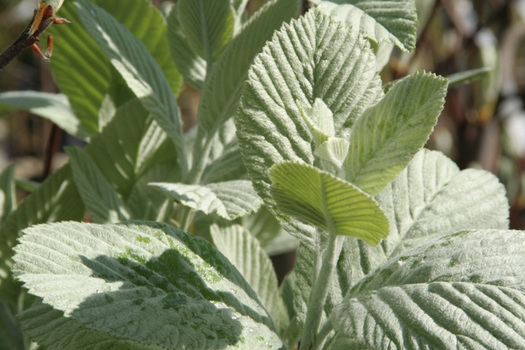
{"x":320,"y":292}
{"x":325,"y":330}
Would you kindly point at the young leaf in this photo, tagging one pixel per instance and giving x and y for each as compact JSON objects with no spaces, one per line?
{"x":228,"y":200}
{"x":381,"y":21}
{"x":54,"y":107}
{"x":102,"y":202}
{"x":464,"y":290}
{"x":146,"y":283}
{"x":207,"y":25}
{"x":138,"y":68}
{"x":390,"y":133}
{"x":312,"y":57}
{"x":327,"y":202}
{"x":254,"y":264}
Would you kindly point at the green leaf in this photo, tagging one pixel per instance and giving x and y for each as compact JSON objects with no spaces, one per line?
{"x":11,"y":337}
{"x":246,"y":254}
{"x":207,"y":25}
{"x":147,"y":23}
{"x":464,"y":290}
{"x":390,"y":133}
{"x":312,"y":57}
{"x":168,"y":289}
{"x":228,"y":200}
{"x":191,"y":65}
{"x":54,"y":107}
{"x":56,"y":199}
{"x":7,"y":192}
{"x":467,"y":77}
{"x":102,"y":202}
{"x":138,"y":68}
{"x":74,"y":47}
{"x":327,"y":202}
{"x":55,"y":331}
{"x":129,"y":146}
{"x":381,"y":21}
{"x":222,"y":92}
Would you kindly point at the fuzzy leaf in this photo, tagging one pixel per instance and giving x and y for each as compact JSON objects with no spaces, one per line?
{"x":326,"y":201}
{"x":391,"y":21}
{"x":390,"y":133}
{"x":146,"y":283}
{"x":228,"y":200}
{"x":312,"y":57}
{"x":432,"y":197}
{"x":464,"y":290}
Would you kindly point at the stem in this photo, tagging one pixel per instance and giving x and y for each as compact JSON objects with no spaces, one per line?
{"x":24,"y":41}
{"x":325,"y":330}
{"x":320,"y":291}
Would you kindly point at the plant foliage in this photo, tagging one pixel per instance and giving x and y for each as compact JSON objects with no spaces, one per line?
{"x":397,"y":248}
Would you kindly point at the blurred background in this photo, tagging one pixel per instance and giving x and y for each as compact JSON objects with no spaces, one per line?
{"x":482,"y":125}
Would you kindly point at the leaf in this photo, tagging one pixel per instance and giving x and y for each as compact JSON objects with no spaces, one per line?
{"x":148,"y":24}
{"x":129,"y":146}
{"x":381,"y":21}
{"x":55,"y":331}
{"x":432,"y":197}
{"x":222,"y":92}
{"x":207,"y":25}
{"x":228,"y":200}
{"x":327,"y":202}
{"x":467,"y":77}
{"x":54,"y":107}
{"x":10,"y":333}
{"x":74,"y":47}
{"x":202,"y":303}
{"x":56,"y":199}
{"x":246,"y":254}
{"x":463,"y":290}
{"x":312,"y":57}
{"x":101,"y":200}
{"x":191,"y":65}
{"x":390,"y":133}
{"x":138,"y":68}
{"x":7,"y":192}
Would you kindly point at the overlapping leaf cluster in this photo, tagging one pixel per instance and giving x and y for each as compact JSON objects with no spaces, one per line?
{"x":397,"y":248}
